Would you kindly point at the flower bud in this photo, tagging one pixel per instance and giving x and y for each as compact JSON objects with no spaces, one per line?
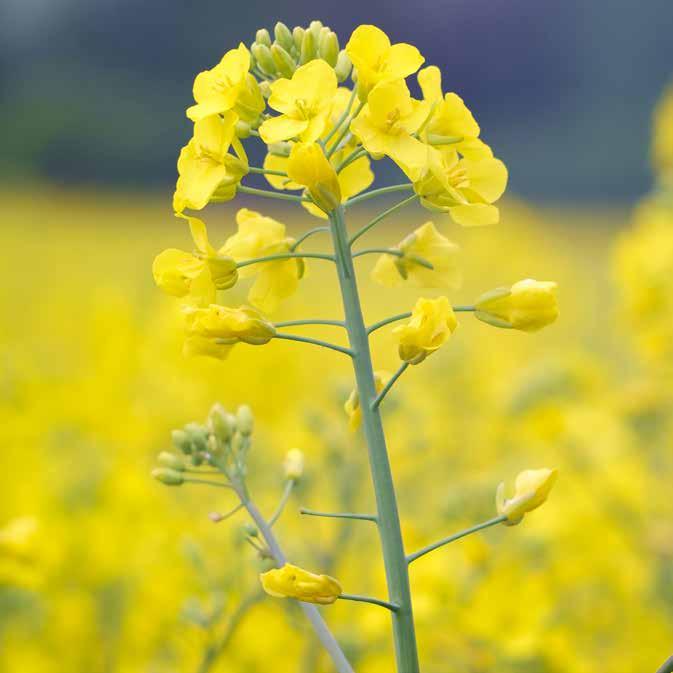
{"x":315,"y":27}
{"x":528,"y":305}
{"x":294,"y":464}
{"x":167,"y":459}
{"x":343,"y":66}
{"x":264,"y":58}
{"x":283,"y":36}
{"x":222,"y":424}
{"x":181,"y":441}
{"x":242,"y":131}
{"x":223,"y":270}
{"x":308,"y":48}
{"x":308,"y":166}
{"x":167,"y":476}
{"x":298,"y":37}
{"x":265,"y":88}
{"x":284,"y":62}
{"x":281,"y":149}
{"x":198,"y":436}
{"x":263,"y":37}
{"x":249,"y":530}
{"x":329,"y":47}
{"x":244,"y":419}
{"x":293,"y":582}
{"x":531,"y":489}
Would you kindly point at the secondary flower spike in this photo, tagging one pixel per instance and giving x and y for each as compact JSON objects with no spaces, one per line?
{"x":531,"y":489}
{"x":293,"y":582}
{"x":528,"y":305}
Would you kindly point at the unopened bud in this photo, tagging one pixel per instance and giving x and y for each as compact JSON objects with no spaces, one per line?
{"x":221,"y":422}
{"x":343,"y":66}
{"x":198,"y":436}
{"x":249,"y":530}
{"x":216,"y":517}
{"x":263,"y":37}
{"x":167,"y":459}
{"x":244,"y":419}
{"x":264,"y":59}
{"x":284,"y":62}
{"x":329,"y":47}
{"x":281,"y":149}
{"x":308,"y":48}
{"x":242,"y":131}
{"x":298,"y":37}
{"x":167,"y":476}
{"x":283,"y":36}
{"x":181,"y":441}
{"x":265,"y":88}
{"x":315,"y":27}
{"x":294,"y":464}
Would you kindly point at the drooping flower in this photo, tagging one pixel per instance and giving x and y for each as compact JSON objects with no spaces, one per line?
{"x":304,"y":103}
{"x":352,"y":404}
{"x":531,"y":490}
{"x":431,"y":324}
{"x":180,"y":273}
{"x":309,"y":167}
{"x":528,"y":305}
{"x":465,"y":188}
{"x":424,"y":244}
{"x":377,"y":60}
{"x":219,"y":89}
{"x":206,"y":169}
{"x":386,"y":124}
{"x":260,"y":236}
{"x":293,"y":582}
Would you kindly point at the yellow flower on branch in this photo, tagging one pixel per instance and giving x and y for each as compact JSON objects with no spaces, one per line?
{"x":226,"y":85}
{"x":465,"y":188}
{"x":304,"y":103}
{"x":293,"y":582}
{"x":432,"y":323}
{"x":352,"y":404}
{"x":180,"y":273}
{"x":206,"y":168}
{"x":427,"y":244}
{"x":309,"y":167}
{"x":377,"y":60}
{"x":386,"y":124}
{"x":260,"y":236}
{"x":531,"y":490}
{"x":529,"y":305}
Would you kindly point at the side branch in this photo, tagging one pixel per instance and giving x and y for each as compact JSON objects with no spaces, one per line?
{"x":391,"y":382}
{"x":380,"y":217}
{"x":306,"y":235}
{"x":310,"y":321}
{"x":378,"y":192}
{"x":315,"y":342}
{"x":267,"y":194}
{"x":456,"y":536}
{"x":339,"y":515}
{"x":285,"y":255}
{"x":395,"y":253}
{"x":367,"y":599}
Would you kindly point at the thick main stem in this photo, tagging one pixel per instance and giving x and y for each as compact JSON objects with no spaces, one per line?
{"x":388,"y":520}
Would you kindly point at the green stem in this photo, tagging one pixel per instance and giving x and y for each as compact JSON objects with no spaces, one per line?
{"x":456,"y":536}
{"x":272,"y":195}
{"x":284,"y":255}
{"x":395,"y":252}
{"x":267,"y":171}
{"x":368,"y":599}
{"x":206,"y":482}
{"x":310,"y":321}
{"x":344,"y":131}
{"x":341,"y":119}
{"x":391,"y":382}
{"x":306,"y":235}
{"x":667,"y":666}
{"x":287,"y":492}
{"x":315,"y":342}
{"x":378,"y":192}
{"x":356,"y":154}
{"x":338,"y":515}
{"x":380,"y":217}
{"x":388,"y":522}
{"x":319,"y":626}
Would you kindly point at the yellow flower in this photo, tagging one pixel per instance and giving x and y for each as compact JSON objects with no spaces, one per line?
{"x":294,"y":464}
{"x":294,"y":582}
{"x":216,"y":329}
{"x":260,"y":236}
{"x":181,"y":273}
{"x":206,"y":168}
{"x":386,"y":123}
{"x":465,"y":188}
{"x":426,"y":243}
{"x":308,"y":166}
{"x":432,"y":323}
{"x":377,"y":60}
{"x":218,"y":90}
{"x":304,"y":101}
{"x":528,"y":305}
{"x":352,"y":404}
{"x":17,"y":538}
{"x":531,"y":489}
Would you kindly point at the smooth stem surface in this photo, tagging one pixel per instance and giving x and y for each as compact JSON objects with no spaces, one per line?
{"x":382,"y":216}
{"x":391,"y":382}
{"x":319,"y":626}
{"x":388,"y":521}
{"x":338,"y":515}
{"x":368,"y":599}
{"x":667,"y":666}
{"x":287,"y":492}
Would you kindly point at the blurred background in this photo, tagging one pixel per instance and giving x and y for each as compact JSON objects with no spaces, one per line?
{"x":103,"y":570}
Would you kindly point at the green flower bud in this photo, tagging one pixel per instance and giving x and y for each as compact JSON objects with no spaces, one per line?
{"x":263,"y":37}
{"x":298,"y":37}
{"x":283,"y":36}
{"x":242,"y":131}
{"x":198,"y":436}
{"x":222,"y":424}
{"x":343,"y":66}
{"x":167,"y":476}
{"x":308,"y":48}
{"x":167,"y":459}
{"x":197,"y":459}
{"x":263,"y":56}
{"x":265,"y":88}
{"x":281,"y":149}
{"x":315,"y":27}
{"x":249,"y":530}
{"x":284,"y":62}
{"x":328,"y":47}
{"x":244,"y":419}
{"x":181,"y":441}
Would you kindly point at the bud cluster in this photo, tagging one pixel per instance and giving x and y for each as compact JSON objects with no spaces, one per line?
{"x":291,"y":49}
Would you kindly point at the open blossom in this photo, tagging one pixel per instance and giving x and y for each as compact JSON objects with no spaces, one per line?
{"x":465,"y":188}
{"x":198,"y":276}
{"x":377,"y":60}
{"x":431,"y":324}
{"x":531,"y":490}
{"x":304,"y":103}
{"x":205,"y":166}
{"x":227,"y":86}
{"x":261,"y":236}
{"x":528,"y":305}
{"x":427,"y":244}
{"x":352,"y":404}
{"x":386,"y":124}
{"x":293,"y":582}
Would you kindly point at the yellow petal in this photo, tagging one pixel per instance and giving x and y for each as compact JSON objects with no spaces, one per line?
{"x":403,"y":60}
{"x":475,"y":214}
{"x":281,"y":128}
{"x":430,"y":81}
